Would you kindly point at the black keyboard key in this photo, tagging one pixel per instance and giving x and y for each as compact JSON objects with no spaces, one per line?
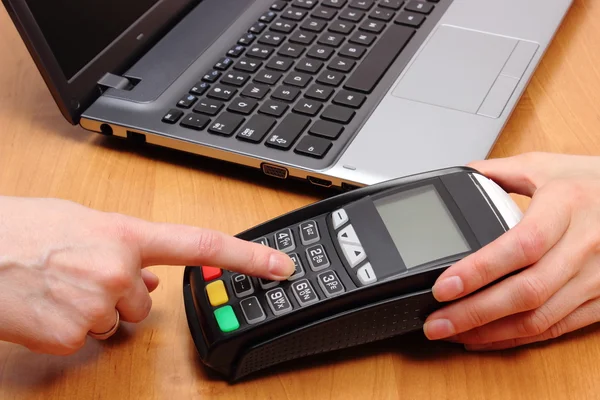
{"x":317,"y":257}
{"x":297,"y":79}
{"x":309,"y":66}
{"x":331,"y":78}
{"x":272,"y":39}
{"x":172,"y":116}
{"x":200,"y":88}
{"x":226,"y":124}
{"x":267,"y":17}
{"x":222,"y":92}
{"x":286,"y":133}
{"x":309,"y":233}
{"x":211,"y":76}
{"x":302,"y":37}
{"x":419,"y":7}
{"x":278,"y":5}
{"x":382,"y":14}
{"x":236,"y":51}
{"x":379,"y":59}
{"x":308,"y":107}
{"x":342,"y":27}
{"x":267,"y":283}
{"x":320,"y":52}
{"x":243,"y":105}
{"x":410,"y":19}
{"x":208,"y":106}
{"x":291,"y":50}
{"x":242,"y":285}
{"x":319,"y":92}
{"x":256,"y":128}
{"x":223,"y":63}
{"x":247,"y":65}
{"x":274,"y":108}
{"x":361,"y":4}
{"x":304,"y":293}
{"x":278,"y":301}
{"x":259,"y":51}
{"x":330,"y":284}
{"x":258,"y":27}
{"x":308,"y":4}
{"x":286,"y":93}
{"x":364,"y":38}
{"x":370,"y":25}
{"x":283,"y":26}
{"x":393,"y":4}
{"x":252,"y":310}
{"x":353,"y":51}
{"x":196,"y":122}
{"x":247,"y":39}
{"x":268,"y":77}
{"x":349,"y":99}
{"x":284,"y":240}
{"x":187,"y":101}
{"x":324,"y":13}
{"x":334,"y":3}
{"x":235,"y":78}
{"x":314,"y":25}
{"x":341,"y":64}
{"x":338,"y":114}
{"x":352,"y":15}
{"x":255,"y":91}
{"x":280,"y":63}
{"x":298,"y":270}
{"x":331,"y":39}
{"x":294,"y":14}
{"x":313,"y":146}
{"x":326,"y":129}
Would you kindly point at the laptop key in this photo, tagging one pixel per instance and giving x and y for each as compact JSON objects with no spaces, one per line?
{"x":291,"y":50}
{"x":274,"y":108}
{"x":419,"y":7}
{"x":361,"y":4}
{"x":342,"y":27}
{"x":410,"y":19}
{"x":283,"y":26}
{"x":393,"y":4}
{"x":302,"y":37}
{"x":324,"y":13}
{"x":349,"y":99}
{"x":267,"y":17}
{"x":308,"y":4}
{"x":313,"y":146}
{"x":247,"y":39}
{"x":382,"y":14}
{"x":352,"y":15}
{"x":208,"y":106}
{"x":286,"y":133}
{"x":313,"y":25}
{"x":243,"y":105}
{"x":297,"y":79}
{"x":268,"y":77}
{"x":319,"y":92}
{"x":236,"y":51}
{"x":309,"y":66}
{"x":226,"y":124}
{"x":172,"y":116}
{"x":259,"y":51}
{"x":320,"y":52}
{"x":326,"y":129}
{"x":256,"y":128}
{"x":223,"y":63}
{"x":278,"y":5}
{"x":308,"y":107}
{"x":370,"y":25}
{"x":353,"y":51}
{"x":212,"y":76}
{"x":255,"y":91}
{"x":200,"y":88}
{"x":196,"y":122}
{"x":280,"y":63}
{"x":331,"y":78}
{"x":338,"y":114}
{"x":187,"y":101}
{"x":286,"y":93}
{"x":364,"y":38}
{"x":247,"y":65}
{"x":341,"y":64}
{"x":272,"y":39}
{"x":258,"y":27}
{"x":331,"y":39}
{"x":222,"y":92}
{"x":334,"y":3}
{"x":294,"y":14}
{"x":235,"y":78}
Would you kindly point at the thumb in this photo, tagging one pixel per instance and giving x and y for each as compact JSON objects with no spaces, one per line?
{"x":170,"y":244}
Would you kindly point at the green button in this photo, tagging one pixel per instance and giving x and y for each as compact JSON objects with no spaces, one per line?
{"x":226,"y":319}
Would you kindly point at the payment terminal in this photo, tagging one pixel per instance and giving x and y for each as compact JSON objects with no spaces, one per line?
{"x":366,"y":261}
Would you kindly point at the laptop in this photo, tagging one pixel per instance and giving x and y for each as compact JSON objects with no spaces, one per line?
{"x":342,"y":93}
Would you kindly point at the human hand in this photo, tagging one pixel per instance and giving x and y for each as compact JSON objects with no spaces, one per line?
{"x":65,"y":268}
{"x":555,"y":250}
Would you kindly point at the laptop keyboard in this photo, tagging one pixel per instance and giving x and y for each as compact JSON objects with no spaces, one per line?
{"x":298,"y":76}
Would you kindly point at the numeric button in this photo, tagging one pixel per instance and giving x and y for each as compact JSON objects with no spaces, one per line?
{"x":304,"y":293}
{"x":252,"y":310}
{"x":330,"y":284}
{"x":242,"y":285}
{"x":317,"y":258}
{"x":299,"y":270}
{"x":309,"y":232}
{"x":278,"y":301}
{"x":284,"y":240}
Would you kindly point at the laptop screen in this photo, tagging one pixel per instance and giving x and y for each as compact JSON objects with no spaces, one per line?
{"x":77,"y":30}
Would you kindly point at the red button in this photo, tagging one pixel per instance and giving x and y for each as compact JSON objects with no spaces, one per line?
{"x":211,"y":273}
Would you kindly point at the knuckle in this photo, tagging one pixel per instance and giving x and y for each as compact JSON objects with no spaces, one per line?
{"x":116,"y":279}
{"x":557,"y":330}
{"x":532,"y":292}
{"x":475,"y":316}
{"x":68,"y":340}
{"x":209,"y":244}
{"x":535,"y":324}
{"x":481,"y":271}
{"x":97,"y":310}
{"x":532,"y":243}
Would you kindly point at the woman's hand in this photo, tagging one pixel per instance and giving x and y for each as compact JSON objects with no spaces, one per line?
{"x":64,"y":268}
{"x":555,"y":251}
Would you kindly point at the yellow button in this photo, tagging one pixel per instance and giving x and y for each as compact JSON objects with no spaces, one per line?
{"x":217,"y":294}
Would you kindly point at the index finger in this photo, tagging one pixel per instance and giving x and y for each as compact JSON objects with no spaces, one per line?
{"x":170,"y":244}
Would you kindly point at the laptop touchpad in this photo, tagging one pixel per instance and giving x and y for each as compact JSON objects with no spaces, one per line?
{"x":458,"y":67}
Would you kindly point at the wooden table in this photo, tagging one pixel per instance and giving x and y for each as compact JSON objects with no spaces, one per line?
{"x":41,"y":155}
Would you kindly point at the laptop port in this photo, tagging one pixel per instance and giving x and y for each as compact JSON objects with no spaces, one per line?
{"x":319,"y":181}
{"x":348,"y":187}
{"x":275,"y":171}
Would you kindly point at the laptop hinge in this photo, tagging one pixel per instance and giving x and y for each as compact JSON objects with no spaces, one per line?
{"x":116,"y":82}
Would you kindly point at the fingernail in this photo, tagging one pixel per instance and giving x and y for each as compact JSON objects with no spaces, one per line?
{"x":448,"y":288}
{"x":281,"y":266}
{"x":439,"y":329}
